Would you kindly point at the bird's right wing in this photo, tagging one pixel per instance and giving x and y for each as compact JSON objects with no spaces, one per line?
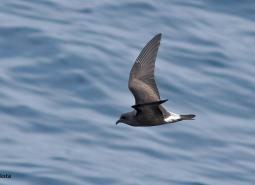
{"x":141,"y":80}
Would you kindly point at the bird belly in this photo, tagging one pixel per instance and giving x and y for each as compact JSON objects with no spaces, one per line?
{"x":172,"y":118}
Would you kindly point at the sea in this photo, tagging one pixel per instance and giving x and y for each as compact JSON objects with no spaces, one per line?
{"x":64,"y":70}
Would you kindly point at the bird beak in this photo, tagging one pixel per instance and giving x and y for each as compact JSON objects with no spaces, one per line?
{"x":118,"y":122}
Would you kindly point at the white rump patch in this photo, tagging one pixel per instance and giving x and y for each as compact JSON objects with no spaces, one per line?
{"x":172,"y":118}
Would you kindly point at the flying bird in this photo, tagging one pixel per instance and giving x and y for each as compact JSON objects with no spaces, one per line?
{"x":148,"y":108}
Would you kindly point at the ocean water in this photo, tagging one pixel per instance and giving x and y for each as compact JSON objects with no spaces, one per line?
{"x":64,"y":67}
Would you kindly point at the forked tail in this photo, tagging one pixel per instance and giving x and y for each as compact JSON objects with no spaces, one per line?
{"x":187,"y":117}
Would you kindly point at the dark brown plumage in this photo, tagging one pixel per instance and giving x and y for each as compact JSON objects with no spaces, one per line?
{"x":148,"y":109}
{"x":141,"y":79}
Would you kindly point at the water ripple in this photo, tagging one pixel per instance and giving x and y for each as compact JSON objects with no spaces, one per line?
{"x":63,"y":75}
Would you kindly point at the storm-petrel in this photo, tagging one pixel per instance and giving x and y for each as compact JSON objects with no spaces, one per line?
{"x":148,"y":109}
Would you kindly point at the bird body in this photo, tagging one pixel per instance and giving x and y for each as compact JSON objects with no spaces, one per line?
{"x":148,"y":108}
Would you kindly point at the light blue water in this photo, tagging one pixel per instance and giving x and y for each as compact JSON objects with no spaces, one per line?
{"x":64,"y":67}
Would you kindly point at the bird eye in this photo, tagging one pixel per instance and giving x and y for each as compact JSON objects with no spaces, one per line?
{"x":123,"y":117}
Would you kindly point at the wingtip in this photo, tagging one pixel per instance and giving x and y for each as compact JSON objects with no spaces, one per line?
{"x":158,"y":35}
{"x":163,"y":101}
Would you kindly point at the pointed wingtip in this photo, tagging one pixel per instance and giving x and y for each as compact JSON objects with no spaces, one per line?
{"x":163,"y":101}
{"x":158,"y":35}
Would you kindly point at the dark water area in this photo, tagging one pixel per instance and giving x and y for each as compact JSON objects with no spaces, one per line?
{"x":64,"y":67}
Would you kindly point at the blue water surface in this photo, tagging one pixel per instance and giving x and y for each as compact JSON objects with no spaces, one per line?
{"x":64,"y":67}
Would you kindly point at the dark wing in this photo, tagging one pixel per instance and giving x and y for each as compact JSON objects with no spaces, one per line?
{"x":141,"y":79}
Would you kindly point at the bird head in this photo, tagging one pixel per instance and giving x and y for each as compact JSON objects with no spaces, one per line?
{"x":125,"y":118}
